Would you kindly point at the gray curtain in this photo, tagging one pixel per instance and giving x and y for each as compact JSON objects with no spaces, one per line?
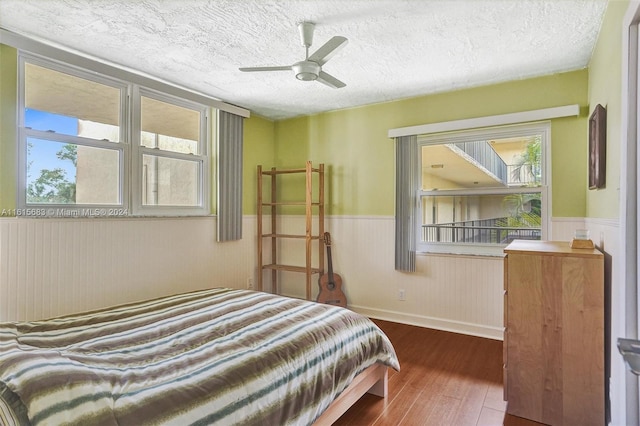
{"x":230,"y":139}
{"x":406,"y":188}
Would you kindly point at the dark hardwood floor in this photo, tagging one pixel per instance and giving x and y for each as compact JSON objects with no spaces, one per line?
{"x":444,"y":379}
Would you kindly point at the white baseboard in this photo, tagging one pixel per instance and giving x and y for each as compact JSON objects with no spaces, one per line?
{"x":494,"y":333}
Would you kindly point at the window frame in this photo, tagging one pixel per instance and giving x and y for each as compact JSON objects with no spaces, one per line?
{"x":139,"y":151}
{"x":485,"y":133}
{"x":129,"y":149}
{"x":69,"y":210}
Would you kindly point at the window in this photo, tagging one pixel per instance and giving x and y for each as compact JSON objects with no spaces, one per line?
{"x":69,"y":140}
{"x":171,"y":154}
{"x":481,"y":189}
{"x":90,"y":145}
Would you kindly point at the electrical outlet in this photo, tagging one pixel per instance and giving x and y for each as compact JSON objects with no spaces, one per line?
{"x":250,"y":283}
{"x":402,"y":294}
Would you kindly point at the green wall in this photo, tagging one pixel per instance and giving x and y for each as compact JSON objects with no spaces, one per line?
{"x":605,"y":88}
{"x":258,"y":149}
{"x":359,"y":156}
{"x":8,"y":93}
{"x":354,"y":146}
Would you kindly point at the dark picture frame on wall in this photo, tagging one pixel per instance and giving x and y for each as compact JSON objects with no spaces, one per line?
{"x":597,"y":147}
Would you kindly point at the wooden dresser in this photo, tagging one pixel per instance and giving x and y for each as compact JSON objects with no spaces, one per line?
{"x":554,"y":333}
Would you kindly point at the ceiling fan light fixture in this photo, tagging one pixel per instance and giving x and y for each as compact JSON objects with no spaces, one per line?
{"x":306,"y":70}
{"x":306,"y":76}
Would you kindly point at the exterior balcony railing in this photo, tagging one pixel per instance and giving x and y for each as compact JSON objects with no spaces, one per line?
{"x":487,"y":231}
{"x":523,"y":176}
{"x":484,"y":155}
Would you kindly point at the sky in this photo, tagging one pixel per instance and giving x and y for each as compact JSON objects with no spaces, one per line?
{"x":42,"y":154}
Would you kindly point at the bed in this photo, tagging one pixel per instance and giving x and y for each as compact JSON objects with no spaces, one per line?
{"x":215,"y":356}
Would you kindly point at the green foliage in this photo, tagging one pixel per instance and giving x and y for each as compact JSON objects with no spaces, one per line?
{"x":69,"y":152}
{"x":52,"y":186}
{"x":527,"y":168}
{"x":525,"y":211}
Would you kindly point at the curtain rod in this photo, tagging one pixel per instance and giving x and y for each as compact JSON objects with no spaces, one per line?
{"x":490,"y":120}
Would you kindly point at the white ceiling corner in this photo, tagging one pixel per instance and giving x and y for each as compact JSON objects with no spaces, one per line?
{"x":397,"y":48}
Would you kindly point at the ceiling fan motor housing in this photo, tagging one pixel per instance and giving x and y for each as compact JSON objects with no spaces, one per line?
{"x":306,"y":70}
{"x":306,"y":33}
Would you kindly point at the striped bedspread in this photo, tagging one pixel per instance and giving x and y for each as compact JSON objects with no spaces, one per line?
{"x":217,"y":356}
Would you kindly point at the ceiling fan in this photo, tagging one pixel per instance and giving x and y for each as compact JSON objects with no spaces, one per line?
{"x":311,"y":67}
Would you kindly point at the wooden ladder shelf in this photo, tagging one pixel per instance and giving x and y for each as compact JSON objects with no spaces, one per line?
{"x":270,"y":207}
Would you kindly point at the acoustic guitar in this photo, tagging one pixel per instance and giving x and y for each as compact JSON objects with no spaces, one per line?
{"x":330,"y":283}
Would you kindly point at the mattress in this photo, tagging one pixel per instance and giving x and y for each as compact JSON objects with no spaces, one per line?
{"x":215,"y":356}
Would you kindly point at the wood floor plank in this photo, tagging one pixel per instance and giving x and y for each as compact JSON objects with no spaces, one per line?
{"x":471,"y":406}
{"x":444,"y":379}
{"x":494,"y":398}
{"x":402,"y":402}
{"x":433,"y":409}
{"x":490,"y":417}
{"x":370,"y":410}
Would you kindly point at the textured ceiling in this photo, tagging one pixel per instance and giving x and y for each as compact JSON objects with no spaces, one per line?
{"x":397,"y":48}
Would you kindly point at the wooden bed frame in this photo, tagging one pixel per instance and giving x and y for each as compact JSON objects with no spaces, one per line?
{"x":373,"y":380}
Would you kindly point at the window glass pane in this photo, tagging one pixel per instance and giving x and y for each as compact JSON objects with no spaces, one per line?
{"x":496,"y":163}
{"x":169,"y":181}
{"x":169,"y":127}
{"x":486,"y":219}
{"x":64,"y":173}
{"x":59,"y":102}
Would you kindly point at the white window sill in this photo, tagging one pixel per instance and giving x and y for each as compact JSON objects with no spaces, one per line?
{"x":483,"y":250}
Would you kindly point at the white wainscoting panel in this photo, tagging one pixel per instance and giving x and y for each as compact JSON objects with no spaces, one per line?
{"x":450,"y":292}
{"x":51,"y":267}
{"x":454,"y":293}
{"x":563,"y":228}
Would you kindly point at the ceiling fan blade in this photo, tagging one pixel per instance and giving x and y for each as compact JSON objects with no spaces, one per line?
{"x":327,"y":50}
{"x":251,"y":69}
{"x":329,"y":80}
